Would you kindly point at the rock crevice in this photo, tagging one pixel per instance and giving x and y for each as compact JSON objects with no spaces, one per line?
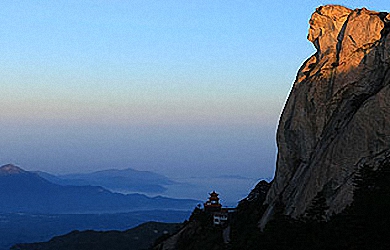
{"x":338,"y":111}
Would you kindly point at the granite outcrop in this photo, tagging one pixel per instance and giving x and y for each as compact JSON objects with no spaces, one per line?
{"x":337,"y":116}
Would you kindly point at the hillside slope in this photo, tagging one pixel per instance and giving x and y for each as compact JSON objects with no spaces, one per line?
{"x":138,"y":238}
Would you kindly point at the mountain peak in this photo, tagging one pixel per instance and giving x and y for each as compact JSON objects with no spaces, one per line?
{"x":337,"y":115}
{"x":10,"y":169}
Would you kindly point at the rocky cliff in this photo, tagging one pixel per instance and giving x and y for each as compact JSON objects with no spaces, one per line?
{"x":337,"y":116}
{"x":335,"y":121}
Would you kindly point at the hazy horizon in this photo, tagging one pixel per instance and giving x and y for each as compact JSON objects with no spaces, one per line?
{"x":181,"y":89}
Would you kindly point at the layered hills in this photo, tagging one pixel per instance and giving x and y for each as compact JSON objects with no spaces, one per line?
{"x":33,"y":208}
{"x":117,"y":180}
{"x":27,"y":192}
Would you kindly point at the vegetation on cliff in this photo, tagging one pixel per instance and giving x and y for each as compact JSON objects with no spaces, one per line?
{"x":337,"y":113}
{"x":362,"y":225}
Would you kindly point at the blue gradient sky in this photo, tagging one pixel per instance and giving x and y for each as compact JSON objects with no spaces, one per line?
{"x":183,"y":88}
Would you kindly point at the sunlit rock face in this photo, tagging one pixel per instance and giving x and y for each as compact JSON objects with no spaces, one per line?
{"x":337,"y":116}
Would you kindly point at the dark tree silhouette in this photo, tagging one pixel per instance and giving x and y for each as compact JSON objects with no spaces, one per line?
{"x":318,"y":208}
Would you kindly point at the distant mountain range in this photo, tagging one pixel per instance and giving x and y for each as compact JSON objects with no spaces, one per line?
{"x":28,"y":192}
{"x":118,"y":180}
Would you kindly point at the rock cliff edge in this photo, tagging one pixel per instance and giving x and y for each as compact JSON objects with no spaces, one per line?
{"x":337,"y":116}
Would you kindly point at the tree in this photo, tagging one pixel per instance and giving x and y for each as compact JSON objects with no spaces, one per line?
{"x":318,"y":208}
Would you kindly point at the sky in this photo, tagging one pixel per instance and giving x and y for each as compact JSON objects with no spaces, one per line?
{"x":183,"y":88}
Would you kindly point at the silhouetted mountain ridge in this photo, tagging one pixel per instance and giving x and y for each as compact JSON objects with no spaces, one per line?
{"x":140,"y":237}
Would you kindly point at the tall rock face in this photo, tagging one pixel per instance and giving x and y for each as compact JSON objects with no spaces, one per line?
{"x":337,"y":116}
